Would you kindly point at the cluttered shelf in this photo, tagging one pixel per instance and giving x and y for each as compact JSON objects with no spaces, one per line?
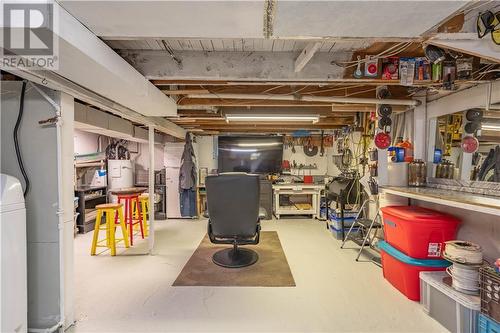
{"x":476,"y":202}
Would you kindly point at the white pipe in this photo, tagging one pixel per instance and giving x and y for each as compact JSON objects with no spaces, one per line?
{"x":60,"y":215}
{"x":213,"y":109}
{"x":306,"y":98}
{"x":151,"y":233}
{"x":488,"y":96}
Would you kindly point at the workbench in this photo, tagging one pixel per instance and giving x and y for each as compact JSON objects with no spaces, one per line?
{"x":296,"y":189}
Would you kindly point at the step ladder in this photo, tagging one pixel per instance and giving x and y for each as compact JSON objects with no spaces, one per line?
{"x":365,"y":226}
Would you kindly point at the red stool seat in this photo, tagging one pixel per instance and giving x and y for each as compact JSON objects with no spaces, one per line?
{"x":130,"y":197}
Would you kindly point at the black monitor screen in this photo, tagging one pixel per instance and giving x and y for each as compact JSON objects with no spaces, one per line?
{"x":252,"y":154}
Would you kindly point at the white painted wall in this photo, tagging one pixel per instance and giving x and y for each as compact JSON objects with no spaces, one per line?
{"x":142,"y":158}
{"x":86,"y":142}
{"x":479,"y":228}
{"x":204,"y":150}
{"x":321,"y":161}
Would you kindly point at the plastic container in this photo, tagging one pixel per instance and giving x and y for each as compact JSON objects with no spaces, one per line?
{"x":418,"y":232}
{"x":487,"y":325}
{"x":454,"y":310}
{"x":403,"y":271}
{"x":337,"y":233}
{"x":338,"y":225}
{"x":490,"y":292}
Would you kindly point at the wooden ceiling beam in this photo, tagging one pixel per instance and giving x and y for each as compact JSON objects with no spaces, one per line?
{"x":185,"y":91}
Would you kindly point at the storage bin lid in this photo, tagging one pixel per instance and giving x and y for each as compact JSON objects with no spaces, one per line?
{"x":435,"y":279}
{"x":416,"y":214}
{"x":387,"y":248}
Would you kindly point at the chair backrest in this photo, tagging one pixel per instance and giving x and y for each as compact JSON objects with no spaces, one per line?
{"x":233,"y":204}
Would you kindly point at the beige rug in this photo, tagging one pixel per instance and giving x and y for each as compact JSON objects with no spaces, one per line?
{"x":271,"y":270}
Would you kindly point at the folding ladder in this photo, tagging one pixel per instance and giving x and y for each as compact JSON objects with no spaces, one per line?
{"x":364,"y":226}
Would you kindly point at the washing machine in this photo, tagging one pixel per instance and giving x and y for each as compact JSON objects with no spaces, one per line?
{"x":13,"y":290}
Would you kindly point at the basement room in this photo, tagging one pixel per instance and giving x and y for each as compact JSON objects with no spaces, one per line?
{"x":250,"y":166}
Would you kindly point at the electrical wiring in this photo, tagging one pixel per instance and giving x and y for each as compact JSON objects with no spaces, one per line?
{"x":263,"y":99}
{"x":354,"y":63}
{"x":341,"y":87}
{"x":16,"y":139}
{"x":397,"y":45}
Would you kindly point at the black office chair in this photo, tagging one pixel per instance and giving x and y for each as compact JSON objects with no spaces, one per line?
{"x":233,"y":206}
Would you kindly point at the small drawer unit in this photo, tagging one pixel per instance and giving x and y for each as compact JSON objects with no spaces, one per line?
{"x":487,"y":325}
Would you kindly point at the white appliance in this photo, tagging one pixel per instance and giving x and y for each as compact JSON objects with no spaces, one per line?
{"x":173,"y":155}
{"x":120,"y":175}
{"x":14,"y":294}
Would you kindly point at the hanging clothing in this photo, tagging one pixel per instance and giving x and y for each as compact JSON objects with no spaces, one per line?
{"x":187,"y":180}
{"x":188,"y":203}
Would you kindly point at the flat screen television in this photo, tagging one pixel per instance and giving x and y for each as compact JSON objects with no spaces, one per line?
{"x":252,"y":154}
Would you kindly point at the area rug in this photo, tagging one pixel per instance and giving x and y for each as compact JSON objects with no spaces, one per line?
{"x":271,"y":270}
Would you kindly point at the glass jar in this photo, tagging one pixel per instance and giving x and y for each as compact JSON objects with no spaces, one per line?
{"x":417,"y":173}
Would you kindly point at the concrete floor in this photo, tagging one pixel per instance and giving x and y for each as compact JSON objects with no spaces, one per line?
{"x":133,"y":293}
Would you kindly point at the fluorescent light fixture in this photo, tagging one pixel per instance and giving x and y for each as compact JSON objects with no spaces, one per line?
{"x":490,"y":127}
{"x":298,"y":118}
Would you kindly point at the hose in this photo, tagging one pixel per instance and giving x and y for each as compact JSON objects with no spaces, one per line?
{"x":16,"y":140}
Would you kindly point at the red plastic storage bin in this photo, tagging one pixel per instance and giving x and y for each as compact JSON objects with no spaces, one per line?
{"x":418,"y":232}
{"x":403,"y":272}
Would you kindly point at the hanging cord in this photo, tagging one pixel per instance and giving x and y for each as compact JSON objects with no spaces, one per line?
{"x":16,"y":140}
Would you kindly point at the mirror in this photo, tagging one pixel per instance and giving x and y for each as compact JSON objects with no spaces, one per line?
{"x":449,"y":157}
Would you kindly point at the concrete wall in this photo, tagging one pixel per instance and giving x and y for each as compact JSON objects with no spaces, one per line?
{"x":38,"y":148}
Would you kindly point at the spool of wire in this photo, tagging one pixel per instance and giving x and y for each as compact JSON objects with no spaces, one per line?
{"x":465,"y":278}
{"x":463,"y":252}
{"x":467,"y":258}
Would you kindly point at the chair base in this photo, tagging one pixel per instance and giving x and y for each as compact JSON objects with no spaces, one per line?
{"x":235,"y":258}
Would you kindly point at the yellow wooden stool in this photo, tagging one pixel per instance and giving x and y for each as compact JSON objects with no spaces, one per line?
{"x":110,"y":210}
{"x":144,"y":211}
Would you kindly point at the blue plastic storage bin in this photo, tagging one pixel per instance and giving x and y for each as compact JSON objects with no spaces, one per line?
{"x":337,"y":233}
{"x":487,"y":325}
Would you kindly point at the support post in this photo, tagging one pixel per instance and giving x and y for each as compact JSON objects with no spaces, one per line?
{"x":419,"y":129}
{"x":431,"y":145}
{"x":151,"y":233}
{"x":466,"y":161}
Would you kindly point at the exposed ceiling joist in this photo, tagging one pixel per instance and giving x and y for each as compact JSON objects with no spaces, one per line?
{"x":306,"y":55}
{"x":308,"y":98}
{"x":185,"y":91}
